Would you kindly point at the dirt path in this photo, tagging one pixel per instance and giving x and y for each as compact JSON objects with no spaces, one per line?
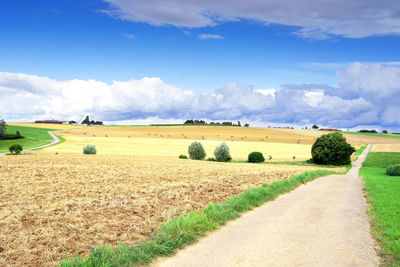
{"x":322,"y":223}
{"x":54,"y":141}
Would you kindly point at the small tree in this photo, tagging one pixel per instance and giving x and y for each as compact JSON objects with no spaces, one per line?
{"x":222,"y":153}
{"x":3,"y":127}
{"x":15,"y":149}
{"x":315,"y":127}
{"x":331,"y":149}
{"x":196,"y":151}
{"x":256,"y":157}
{"x":89,"y":149}
{"x":246,"y":125}
{"x":393,"y":170}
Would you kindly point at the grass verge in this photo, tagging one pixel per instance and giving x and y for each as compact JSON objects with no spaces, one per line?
{"x":186,"y":229}
{"x":360,"y":151}
{"x":383,"y":195}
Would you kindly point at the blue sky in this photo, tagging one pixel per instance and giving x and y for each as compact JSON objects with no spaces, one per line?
{"x":122,"y":40}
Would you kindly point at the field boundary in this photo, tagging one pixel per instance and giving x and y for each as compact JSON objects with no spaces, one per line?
{"x":55,"y":141}
{"x":188,"y":228}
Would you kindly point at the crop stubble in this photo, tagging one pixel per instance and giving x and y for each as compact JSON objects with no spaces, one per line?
{"x":55,"y":206}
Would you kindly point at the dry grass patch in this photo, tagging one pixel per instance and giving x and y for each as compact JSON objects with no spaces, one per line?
{"x":55,"y":206}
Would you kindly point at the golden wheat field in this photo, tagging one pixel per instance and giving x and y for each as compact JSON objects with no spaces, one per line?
{"x":386,"y":148}
{"x":45,"y":125}
{"x":55,"y":206}
{"x":354,"y":139}
{"x":174,"y":140}
{"x":175,"y":147}
{"x":221,"y":133}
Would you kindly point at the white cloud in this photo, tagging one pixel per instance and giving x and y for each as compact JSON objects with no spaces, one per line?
{"x":129,"y":36}
{"x":368,"y":94}
{"x":316,"y":19}
{"x":210,"y":36}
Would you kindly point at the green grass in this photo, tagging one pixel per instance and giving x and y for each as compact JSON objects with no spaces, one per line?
{"x":296,"y":163}
{"x":382,"y":159}
{"x":33,"y":137}
{"x":383,"y":195}
{"x":186,"y":229}
{"x":360,"y":151}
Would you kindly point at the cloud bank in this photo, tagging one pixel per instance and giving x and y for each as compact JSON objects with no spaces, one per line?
{"x":315,"y":18}
{"x":368,"y":94}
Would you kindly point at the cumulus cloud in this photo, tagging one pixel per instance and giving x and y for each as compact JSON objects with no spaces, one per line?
{"x":316,"y":19}
{"x":210,"y":36}
{"x":368,"y":94}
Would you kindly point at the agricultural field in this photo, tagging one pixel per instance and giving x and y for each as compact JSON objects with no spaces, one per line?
{"x":174,"y":140}
{"x":175,"y":147}
{"x":57,"y":205}
{"x":45,"y":125}
{"x":352,"y":137}
{"x":386,"y":148}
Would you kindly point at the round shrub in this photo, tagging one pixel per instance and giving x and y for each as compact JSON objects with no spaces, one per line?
{"x":196,"y":151}
{"x":15,"y":149}
{"x":256,"y":157}
{"x":331,"y":149}
{"x":89,"y":149}
{"x":222,"y":153}
{"x":183,"y":157}
{"x":393,"y":170}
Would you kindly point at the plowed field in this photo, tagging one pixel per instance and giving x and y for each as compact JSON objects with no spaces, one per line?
{"x":54,"y":206}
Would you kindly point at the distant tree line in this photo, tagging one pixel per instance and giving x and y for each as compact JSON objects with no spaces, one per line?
{"x":87,"y":121}
{"x":367,"y":131}
{"x":225,"y":123}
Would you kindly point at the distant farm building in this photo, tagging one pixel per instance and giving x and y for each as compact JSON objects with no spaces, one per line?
{"x":55,"y":122}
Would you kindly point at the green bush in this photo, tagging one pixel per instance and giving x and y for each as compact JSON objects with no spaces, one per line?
{"x":222,"y":153}
{"x":89,"y":149}
{"x":256,"y":157}
{"x":393,"y":170}
{"x":15,"y":149}
{"x":196,"y":151}
{"x":331,"y":149}
{"x":211,"y":159}
{"x":183,"y":157}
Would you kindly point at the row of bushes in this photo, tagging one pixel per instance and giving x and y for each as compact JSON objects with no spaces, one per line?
{"x":222,"y":153}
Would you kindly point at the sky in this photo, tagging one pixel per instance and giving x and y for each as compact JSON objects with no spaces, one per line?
{"x":265,"y":62}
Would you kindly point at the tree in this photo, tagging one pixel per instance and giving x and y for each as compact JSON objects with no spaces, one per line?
{"x":246,"y":125}
{"x":331,"y":149}
{"x":86,"y":120}
{"x":222,"y":153}
{"x":315,"y":127}
{"x":3,"y":127}
{"x":196,"y":151}
{"x":385,"y":131}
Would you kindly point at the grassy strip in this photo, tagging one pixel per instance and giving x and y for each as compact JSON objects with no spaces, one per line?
{"x":186,"y":229}
{"x":383,"y":195}
{"x":360,"y":151}
{"x":382,"y":159}
{"x":295,"y":163}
